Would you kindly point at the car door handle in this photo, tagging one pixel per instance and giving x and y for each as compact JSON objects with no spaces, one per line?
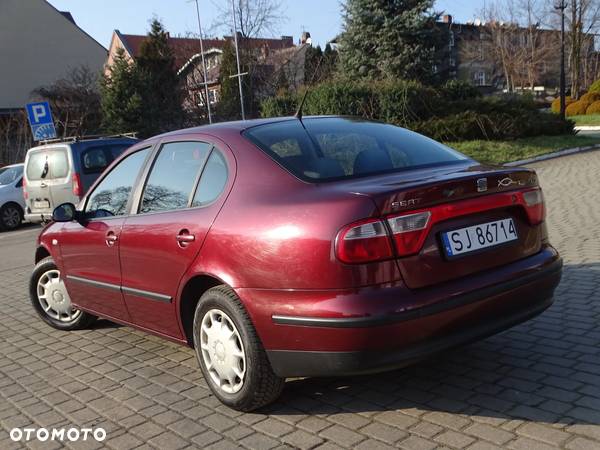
{"x":43,"y":185}
{"x":111,"y":238}
{"x":184,"y":238}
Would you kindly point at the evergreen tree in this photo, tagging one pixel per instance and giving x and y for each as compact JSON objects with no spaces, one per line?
{"x":161,"y":91}
{"x":120,"y":99}
{"x":228,"y":107}
{"x":144,"y":96}
{"x":388,"y":39}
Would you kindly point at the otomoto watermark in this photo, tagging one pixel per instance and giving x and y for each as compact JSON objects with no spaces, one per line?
{"x":57,"y":434}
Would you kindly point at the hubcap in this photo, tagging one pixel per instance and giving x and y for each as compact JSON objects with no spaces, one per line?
{"x":11,"y":217}
{"x":54,"y":298}
{"x":222,"y":351}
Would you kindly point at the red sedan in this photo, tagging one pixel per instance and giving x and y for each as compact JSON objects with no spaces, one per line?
{"x":284,"y":247}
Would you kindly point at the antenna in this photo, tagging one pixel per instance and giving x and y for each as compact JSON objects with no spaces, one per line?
{"x":298,"y":114}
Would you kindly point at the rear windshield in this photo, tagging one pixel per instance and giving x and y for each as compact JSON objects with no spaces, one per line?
{"x":337,"y":148}
{"x":47,"y":164}
{"x":9,"y":175}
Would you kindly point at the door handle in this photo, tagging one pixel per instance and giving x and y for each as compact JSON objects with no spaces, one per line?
{"x":43,"y":185}
{"x":111,"y":238}
{"x":184,"y":238}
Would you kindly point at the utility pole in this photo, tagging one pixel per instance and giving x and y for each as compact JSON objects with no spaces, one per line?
{"x":204,"y":64}
{"x":239,"y":75}
{"x":562,"y":6}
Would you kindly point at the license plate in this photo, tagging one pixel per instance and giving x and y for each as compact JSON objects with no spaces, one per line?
{"x":478,"y":237}
{"x":44,"y":204}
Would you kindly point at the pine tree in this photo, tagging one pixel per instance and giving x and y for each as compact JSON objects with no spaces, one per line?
{"x":388,"y":39}
{"x":120,"y":99}
{"x":228,"y":107}
{"x":143,"y":96}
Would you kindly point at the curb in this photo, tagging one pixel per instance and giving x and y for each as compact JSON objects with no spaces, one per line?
{"x":587,"y":128}
{"x":553,"y":155}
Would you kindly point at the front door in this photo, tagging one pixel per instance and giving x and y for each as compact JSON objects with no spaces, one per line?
{"x":176,"y":209}
{"x":89,"y":248}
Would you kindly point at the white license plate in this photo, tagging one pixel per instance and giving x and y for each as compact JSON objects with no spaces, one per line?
{"x":478,"y":237}
{"x":45,"y":204}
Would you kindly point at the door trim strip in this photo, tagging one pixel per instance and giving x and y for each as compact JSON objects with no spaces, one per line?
{"x":125,"y":290}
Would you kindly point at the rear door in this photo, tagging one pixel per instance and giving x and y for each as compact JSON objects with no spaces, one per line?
{"x":183,"y":194}
{"x":47,"y":172}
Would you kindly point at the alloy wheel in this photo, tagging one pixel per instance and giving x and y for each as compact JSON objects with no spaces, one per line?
{"x":11,"y":217}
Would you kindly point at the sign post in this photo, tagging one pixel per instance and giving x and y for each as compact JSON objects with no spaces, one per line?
{"x":40,"y":120}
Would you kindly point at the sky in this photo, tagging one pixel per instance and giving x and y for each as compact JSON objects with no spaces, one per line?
{"x":322,"y":18}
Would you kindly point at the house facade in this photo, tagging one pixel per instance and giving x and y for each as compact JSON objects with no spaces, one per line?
{"x":41,"y":46}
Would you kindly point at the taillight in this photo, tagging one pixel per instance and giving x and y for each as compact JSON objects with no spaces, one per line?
{"x":409,"y":232}
{"x":25,"y":194}
{"x":534,"y":205}
{"x":77,"y":188}
{"x":363,"y":242}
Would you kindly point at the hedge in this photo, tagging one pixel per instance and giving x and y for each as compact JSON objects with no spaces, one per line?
{"x":594,"y":108}
{"x":455,"y":111}
{"x":590,"y":97}
{"x":556,"y":103}
{"x":577,"y":108}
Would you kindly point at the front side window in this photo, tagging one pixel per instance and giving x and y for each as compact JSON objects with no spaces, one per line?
{"x":173,"y":176}
{"x":9,"y":175}
{"x":94,"y":160}
{"x":111,"y":196}
{"x":322,"y":149}
{"x":48,"y":164}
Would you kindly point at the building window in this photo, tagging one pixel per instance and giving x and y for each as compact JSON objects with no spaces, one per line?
{"x":435,"y":68}
{"x":452,"y":62}
{"x":480,"y":78}
{"x":451,"y":39}
{"x":213,"y":96}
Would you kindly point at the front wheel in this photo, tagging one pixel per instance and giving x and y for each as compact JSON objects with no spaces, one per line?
{"x":51,"y":300}
{"x":230,"y":354}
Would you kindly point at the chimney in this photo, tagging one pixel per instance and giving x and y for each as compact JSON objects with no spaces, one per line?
{"x":305,"y":38}
{"x":447,"y":18}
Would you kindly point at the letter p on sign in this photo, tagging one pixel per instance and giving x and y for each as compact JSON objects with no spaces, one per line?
{"x":38,"y":112}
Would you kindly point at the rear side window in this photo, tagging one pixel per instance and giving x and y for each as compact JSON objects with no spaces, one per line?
{"x":213,"y":180}
{"x":337,"y":148}
{"x":173,"y":176}
{"x":48,"y":164}
{"x":112,"y":194}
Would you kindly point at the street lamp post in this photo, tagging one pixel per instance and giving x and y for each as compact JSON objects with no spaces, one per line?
{"x":203,"y":64}
{"x":239,"y":75}
{"x":562,"y":6}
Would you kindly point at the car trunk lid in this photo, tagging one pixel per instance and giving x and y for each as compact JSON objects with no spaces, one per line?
{"x":458,"y":197}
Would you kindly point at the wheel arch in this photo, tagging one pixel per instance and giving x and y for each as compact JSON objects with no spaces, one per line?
{"x":190,"y":295}
{"x":40,"y":253}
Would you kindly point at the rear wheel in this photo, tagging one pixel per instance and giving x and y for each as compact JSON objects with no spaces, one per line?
{"x":51,"y":300}
{"x":11,"y":216}
{"x":230,"y":354}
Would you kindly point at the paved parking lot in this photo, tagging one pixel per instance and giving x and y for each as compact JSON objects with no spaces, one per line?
{"x":535,"y":386}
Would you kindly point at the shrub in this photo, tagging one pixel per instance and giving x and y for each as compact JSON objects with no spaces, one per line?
{"x":455,"y":90}
{"x":556,"y":103}
{"x":594,"y":108}
{"x":590,"y":97}
{"x":595,"y":87}
{"x":577,"y":108}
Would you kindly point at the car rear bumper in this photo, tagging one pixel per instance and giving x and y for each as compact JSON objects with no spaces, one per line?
{"x":372,"y":337}
{"x":38,"y":217}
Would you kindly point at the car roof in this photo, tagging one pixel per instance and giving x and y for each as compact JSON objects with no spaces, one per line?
{"x":87,"y":143}
{"x":12,"y":165}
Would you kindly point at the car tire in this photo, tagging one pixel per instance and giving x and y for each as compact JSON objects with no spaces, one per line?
{"x":219,"y":356}
{"x":11,"y":217}
{"x":51,"y":301}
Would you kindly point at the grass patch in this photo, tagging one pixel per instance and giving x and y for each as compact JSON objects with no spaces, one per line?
{"x":499,"y":152}
{"x":591,"y":120}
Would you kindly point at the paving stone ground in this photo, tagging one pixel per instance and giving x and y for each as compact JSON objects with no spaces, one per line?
{"x":535,"y":386}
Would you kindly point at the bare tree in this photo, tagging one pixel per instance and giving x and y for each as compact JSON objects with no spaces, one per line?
{"x":253,"y":18}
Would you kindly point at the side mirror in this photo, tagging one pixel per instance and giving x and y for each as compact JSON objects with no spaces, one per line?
{"x":64,"y":213}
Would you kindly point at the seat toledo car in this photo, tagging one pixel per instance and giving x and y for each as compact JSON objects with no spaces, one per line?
{"x":284,"y":247}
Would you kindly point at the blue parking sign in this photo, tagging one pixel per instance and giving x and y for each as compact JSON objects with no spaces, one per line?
{"x":40,"y":119}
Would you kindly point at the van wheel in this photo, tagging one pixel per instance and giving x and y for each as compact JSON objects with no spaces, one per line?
{"x":231,"y":356}
{"x":51,"y":300}
{"x":11,"y":216}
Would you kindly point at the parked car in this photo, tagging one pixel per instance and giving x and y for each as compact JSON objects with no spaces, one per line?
{"x":12,"y":205}
{"x":284,"y":248}
{"x":63,"y":170}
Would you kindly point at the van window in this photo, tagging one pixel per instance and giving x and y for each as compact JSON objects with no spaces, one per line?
{"x":48,"y":164}
{"x":111,"y":196}
{"x":96,"y":159}
{"x":173,"y":176}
